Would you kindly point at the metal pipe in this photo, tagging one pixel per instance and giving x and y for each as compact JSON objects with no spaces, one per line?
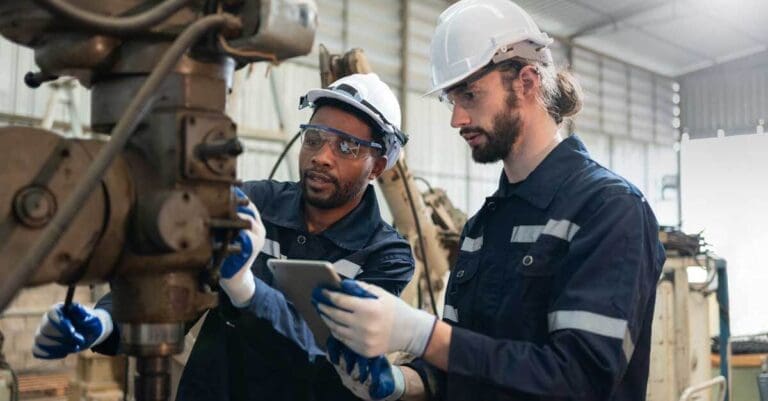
{"x":152,"y":381}
{"x":136,"y":110}
{"x":717,"y":381}
{"x":725,"y":321}
{"x":115,"y":25}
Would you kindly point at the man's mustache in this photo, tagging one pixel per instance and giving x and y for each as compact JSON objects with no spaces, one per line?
{"x":321,"y":174}
{"x":472,"y":130}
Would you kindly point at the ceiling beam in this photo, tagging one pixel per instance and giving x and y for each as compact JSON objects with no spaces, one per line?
{"x":614,"y":19}
{"x":622,"y":22}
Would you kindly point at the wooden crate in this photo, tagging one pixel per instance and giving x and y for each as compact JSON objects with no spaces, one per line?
{"x":39,"y":385}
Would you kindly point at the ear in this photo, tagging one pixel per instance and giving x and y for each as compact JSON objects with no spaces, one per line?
{"x":530,"y":80}
{"x":378,"y":167}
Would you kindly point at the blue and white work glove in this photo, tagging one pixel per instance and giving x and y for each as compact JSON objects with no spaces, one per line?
{"x":237,"y":280}
{"x":374,"y":326}
{"x":371,"y":379}
{"x":62,"y":333}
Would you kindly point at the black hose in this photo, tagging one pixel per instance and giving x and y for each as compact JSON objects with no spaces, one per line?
{"x":136,"y":110}
{"x":282,"y":155}
{"x":114,"y":25}
{"x":422,"y":179}
{"x":412,"y":203}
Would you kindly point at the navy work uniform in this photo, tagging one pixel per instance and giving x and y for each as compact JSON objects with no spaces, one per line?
{"x":266,"y":351}
{"x":552,"y":295}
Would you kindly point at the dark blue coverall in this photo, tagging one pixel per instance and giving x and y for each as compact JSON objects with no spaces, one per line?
{"x":552,"y":295}
{"x":266,"y":351}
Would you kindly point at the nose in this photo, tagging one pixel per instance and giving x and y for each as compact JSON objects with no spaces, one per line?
{"x":324,"y":155}
{"x":459,"y":117}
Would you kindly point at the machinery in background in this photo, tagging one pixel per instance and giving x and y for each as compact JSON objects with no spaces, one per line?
{"x":762,"y":381}
{"x":680,"y":352}
{"x":136,"y":207}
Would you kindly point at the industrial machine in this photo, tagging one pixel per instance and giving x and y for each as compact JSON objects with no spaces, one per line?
{"x":680,"y":352}
{"x":137,"y":206}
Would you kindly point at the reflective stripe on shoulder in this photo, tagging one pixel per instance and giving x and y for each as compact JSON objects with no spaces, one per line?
{"x":346,"y":268}
{"x":593,"y":323}
{"x":472,"y":244}
{"x":451,"y":313}
{"x":562,"y":229}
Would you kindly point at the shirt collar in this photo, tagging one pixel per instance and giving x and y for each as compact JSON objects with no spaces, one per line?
{"x":540,"y":187}
{"x":355,"y":230}
{"x":351,"y":232}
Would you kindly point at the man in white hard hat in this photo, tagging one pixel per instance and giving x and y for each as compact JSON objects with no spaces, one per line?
{"x":552,"y":295}
{"x":254,"y":345}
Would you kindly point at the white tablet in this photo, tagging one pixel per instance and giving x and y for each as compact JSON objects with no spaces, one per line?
{"x":297,"y":278}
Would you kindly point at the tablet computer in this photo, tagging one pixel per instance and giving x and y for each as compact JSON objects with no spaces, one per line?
{"x":297,"y":278}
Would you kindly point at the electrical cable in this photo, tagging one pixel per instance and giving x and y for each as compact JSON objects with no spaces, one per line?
{"x":282,"y":155}
{"x":424,"y":180}
{"x":420,"y":234}
{"x":114,"y":25}
{"x":137,"y":109}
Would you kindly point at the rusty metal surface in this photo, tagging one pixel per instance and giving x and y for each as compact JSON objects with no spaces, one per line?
{"x":147,"y":227}
{"x":37,"y":161}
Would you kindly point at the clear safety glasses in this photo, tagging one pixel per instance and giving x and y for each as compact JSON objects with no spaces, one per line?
{"x":346,"y":146}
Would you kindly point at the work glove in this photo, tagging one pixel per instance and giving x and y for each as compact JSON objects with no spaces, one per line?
{"x":368,"y":325}
{"x":65,"y":332}
{"x":237,"y":280}
{"x":371,"y":379}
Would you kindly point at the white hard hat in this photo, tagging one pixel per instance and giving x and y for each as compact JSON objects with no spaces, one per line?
{"x":369,"y":94}
{"x":472,"y":33}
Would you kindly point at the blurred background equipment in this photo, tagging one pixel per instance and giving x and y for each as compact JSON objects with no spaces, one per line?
{"x":135,"y":207}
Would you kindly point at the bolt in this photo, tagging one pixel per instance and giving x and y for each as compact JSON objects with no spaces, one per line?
{"x":35,"y":206}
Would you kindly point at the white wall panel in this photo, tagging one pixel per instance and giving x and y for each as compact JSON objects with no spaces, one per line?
{"x":330,"y":31}
{"x":599,"y":147}
{"x":376,"y":26}
{"x":421,"y":25}
{"x":629,"y":159}
{"x":662,"y":164}
{"x":18,"y":99}
{"x":9,"y":55}
{"x":259,"y":158}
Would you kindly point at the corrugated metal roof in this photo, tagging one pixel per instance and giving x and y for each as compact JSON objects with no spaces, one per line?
{"x":667,"y":37}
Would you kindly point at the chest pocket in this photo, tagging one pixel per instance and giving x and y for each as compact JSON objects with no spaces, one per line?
{"x":535,"y":271}
{"x":460,"y":296}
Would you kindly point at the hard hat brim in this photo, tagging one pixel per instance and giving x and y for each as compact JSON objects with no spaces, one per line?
{"x":315,"y":94}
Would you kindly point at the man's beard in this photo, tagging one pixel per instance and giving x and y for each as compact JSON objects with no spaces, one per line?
{"x":341,"y":194}
{"x":506,"y":130}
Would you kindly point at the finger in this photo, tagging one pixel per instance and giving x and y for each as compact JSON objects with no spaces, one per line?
{"x":350,"y":362}
{"x":372,"y":290}
{"x":64,"y":326}
{"x":319,"y":298}
{"x":333,"y":350}
{"x":355,"y":288}
{"x":343,"y":334}
{"x":42,"y":352}
{"x":340,"y":317}
{"x":250,"y":217}
{"x":363,"y":368}
{"x":343,"y":301}
{"x":343,"y":366}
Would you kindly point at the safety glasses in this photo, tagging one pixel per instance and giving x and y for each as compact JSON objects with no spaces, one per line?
{"x":467,"y":94}
{"x":346,"y":146}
